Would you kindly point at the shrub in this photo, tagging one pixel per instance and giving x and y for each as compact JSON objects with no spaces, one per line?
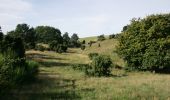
{"x":55,"y":46}
{"x":101,"y":66}
{"x":101,"y":38}
{"x":145,"y":44}
{"x":14,"y":71}
{"x":111,"y":36}
{"x":92,"y":55}
{"x":83,"y":47}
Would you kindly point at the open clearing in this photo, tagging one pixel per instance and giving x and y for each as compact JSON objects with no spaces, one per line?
{"x":57,"y":80}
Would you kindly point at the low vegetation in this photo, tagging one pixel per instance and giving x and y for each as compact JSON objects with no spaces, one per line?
{"x":57,"y":66}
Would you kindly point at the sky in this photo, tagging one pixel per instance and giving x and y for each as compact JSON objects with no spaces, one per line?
{"x":84,"y":17}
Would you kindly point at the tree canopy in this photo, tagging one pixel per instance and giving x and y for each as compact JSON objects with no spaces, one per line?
{"x":47,"y":34}
{"x":145,"y":44}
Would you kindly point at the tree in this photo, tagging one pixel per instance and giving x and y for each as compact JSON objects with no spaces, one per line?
{"x":101,"y":38}
{"x":83,"y":42}
{"x":74,"y":37}
{"x":30,"y":38}
{"x":145,"y":44}
{"x":26,"y":33}
{"x":66,"y":38}
{"x":111,"y":36}
{"x":74,"y":41}
{"x":47,"y":34}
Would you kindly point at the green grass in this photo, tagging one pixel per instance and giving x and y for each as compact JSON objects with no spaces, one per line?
{"x":107,"y":47}
{"x":88,"y":39}
{"x":58,"y":81}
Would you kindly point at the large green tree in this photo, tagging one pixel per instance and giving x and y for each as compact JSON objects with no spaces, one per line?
{"x":145,"y":43}
{"x":47,"y":34}
{"x":66,"y":38}
{"x":74,"y":41}
{"x":26,"y":33}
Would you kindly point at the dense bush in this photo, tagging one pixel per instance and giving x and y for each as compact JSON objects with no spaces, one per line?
{"x":14,"y":72}
{"x":101,"y":65}
{"x":111,"y":36}
{"x":47,"y":34}
{"x":14,"y":69}
{"x":92,"y":55}
{"x":145,"y":43}
{"x":55,"y":46}
{"x":101,"y":38}
{"x":26,"y":33}
{"x":83,"y":47}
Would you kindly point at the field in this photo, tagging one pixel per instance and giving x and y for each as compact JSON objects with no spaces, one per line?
{"x":58,"y":81}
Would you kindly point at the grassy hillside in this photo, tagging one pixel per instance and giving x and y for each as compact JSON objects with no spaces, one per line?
{"x":107,"y":47}
{"x":58,"y":81}
{"x":88,"y":39}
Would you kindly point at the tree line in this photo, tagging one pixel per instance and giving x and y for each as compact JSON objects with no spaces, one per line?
{"x":46,"y":35}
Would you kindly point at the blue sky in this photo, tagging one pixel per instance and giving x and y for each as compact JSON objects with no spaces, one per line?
{"x":84,"y":17}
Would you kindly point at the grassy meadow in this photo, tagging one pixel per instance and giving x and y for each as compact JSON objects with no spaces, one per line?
{"x":58,"y":81}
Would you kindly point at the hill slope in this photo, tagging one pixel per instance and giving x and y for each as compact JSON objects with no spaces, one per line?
{"x":107,"y":47}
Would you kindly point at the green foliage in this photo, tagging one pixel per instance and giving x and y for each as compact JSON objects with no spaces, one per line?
{"x":26,"y":33}
{"x":13,"y":71}
{"x":83,"y":47}
{"x":74,"y":41}
{"x":47,"y":34}
{"x":40,"y":48}
{"x":92,"y":55}
{"x":101,"y":65}
{"x":84,"y":42}
{"x":111,"y":36}
{"x":145,"y":43}
{"x":66,"y":39}
{"x":101,"y":38}
{"x":55,"y":46}
{"x":31,"y":70}
{"x":15,"y":44}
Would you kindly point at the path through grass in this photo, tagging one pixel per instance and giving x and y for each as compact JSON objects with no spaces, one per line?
{"x":58,"y":81}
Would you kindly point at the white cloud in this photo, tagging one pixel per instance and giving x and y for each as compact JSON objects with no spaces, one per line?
{"x":11,"y":12}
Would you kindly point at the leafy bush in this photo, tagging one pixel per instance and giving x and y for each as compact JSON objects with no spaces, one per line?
{"x":145,"y":44}
{"x":101,"y":65}
{"x":55,"y":46}
{"x":83,"y":47}
{"x":14,"y":70}
{"x":92,"y":55}
{"x":13,"y":73}
{"x":101,"y":38}
{"x":111,"y":36}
